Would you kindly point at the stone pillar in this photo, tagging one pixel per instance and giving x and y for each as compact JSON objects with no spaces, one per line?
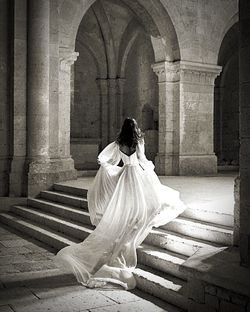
{"x":218,"y":100}
{"x":67,"y":59}
{"x":5,"y":134}
{"x":44,"y":168}
{"x":244,"y":68}
{"x":166,"y":161}
{"x":112,"y":92}
{"x":17,"y":175}
{"x":120,"y":96}
{"x":196,"y":150}
{"x":38,"y":81}
{"x":103,"y":88}
{"x":38,"y":94}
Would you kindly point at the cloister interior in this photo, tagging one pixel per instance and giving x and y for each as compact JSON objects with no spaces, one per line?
{"x":72,"y":70}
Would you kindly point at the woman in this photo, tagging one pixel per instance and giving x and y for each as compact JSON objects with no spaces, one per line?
{"x":124,"y":204}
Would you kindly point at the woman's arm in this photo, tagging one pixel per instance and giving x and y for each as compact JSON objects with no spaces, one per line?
{"x":110,"y":155}
{"x":143,"y":161}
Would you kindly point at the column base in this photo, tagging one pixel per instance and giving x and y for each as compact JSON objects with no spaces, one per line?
{"x":167,"y":164}
{"x":4,"y":175}
{"x":186,"y":165}
{"x":197,"y":165}
{"x":42,"y":175}
{"x":18,"y":178}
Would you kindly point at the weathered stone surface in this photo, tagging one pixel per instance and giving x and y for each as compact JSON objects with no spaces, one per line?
{"x":230,"y":307}
{"x":212,"y":301}
{"x":5,"y":308}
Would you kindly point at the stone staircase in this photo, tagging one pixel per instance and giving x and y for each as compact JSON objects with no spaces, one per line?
{"x":60,"y":217}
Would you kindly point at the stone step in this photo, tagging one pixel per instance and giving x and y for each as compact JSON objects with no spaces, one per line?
{"x":209,"y":216}
{"x":160,"y":259}
{"x":37,"y":231}
{"x":59,"y":197}
{"x":72,"y":229}
{"x":73,"y":190}
{"x":67,"y":212}
{"x":202,"y":230}
{"x":177,"y":243}
{"x":86,"y":173}
{"x":161,"y":285}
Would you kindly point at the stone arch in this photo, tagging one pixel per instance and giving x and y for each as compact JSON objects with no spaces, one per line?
{"x":226,"y":107}
{"x":90,"y":45}
{"x":158,"y":26}
{"x":128,"y":39}
{"x":234,"y":20}
{"x":151,"y":13}
{"x":107,"y":38}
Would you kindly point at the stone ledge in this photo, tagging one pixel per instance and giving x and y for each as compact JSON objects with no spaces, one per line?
{"x":7,"y":202}
{"x":220,"y":267}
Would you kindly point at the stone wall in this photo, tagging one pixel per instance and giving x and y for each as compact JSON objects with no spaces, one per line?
{"x":5,"y":91}
{"x":141,"y":92}
{"x":217,"y":299}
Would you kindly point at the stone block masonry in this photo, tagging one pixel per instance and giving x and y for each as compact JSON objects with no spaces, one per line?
{"x":218,"y":299}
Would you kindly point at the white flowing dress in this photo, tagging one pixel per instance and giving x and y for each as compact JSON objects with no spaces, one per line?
{"x":124,"y":204}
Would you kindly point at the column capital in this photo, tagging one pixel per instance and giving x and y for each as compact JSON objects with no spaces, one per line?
{"x":67,"y":58}
{"x":199,"y":73}
{"x":167,"y":71}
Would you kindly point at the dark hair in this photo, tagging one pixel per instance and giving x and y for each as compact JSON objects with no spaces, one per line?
{"x":130,"y":133}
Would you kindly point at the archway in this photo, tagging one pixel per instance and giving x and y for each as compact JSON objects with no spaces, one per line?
{"x":144,"y":25}
{"x":226,"y":108}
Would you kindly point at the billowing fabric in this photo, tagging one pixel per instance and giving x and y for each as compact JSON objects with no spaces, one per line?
{"x":124,"y":204}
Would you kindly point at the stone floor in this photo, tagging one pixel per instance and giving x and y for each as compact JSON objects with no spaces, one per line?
{"x":30,"y":282}
{"x":214,"y":193}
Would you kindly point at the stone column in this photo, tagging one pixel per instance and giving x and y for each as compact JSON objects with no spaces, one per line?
{"x":120,"y":96}
{"x":166,"y":161}
{"x":112,"y":93}
{"x":17,"y":175}
{"x":44,"y":168}
{"x":103,"y":88}
{"x":196,"y":150}
{"x":5,"y":134}
{"x":38,"y":94}
{"x":38,"y":81}
{"x":67,"y":59}
{"x":244,"y":52}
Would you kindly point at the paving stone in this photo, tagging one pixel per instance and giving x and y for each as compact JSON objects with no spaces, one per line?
{"x":10,"y":268}
{"x":16,"y":295}
{"x":40,"y":249}
{"x":14,"y":251}
{"x":54,"y":290}
{"x":35,"y":266}
{"x":120,"y":296}
{"x":4,"y":237}
{"x":3,"y":230}
{"x":38,"y":256}
{"x":73,"y":302}
{"x":14,"y":243}
{"x":138,"y":306}
{"x":11,"y":260}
